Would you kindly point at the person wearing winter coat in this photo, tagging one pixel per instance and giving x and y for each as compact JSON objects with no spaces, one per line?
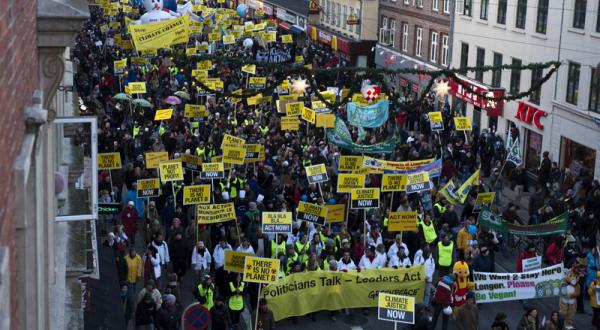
{"x":529,"y":321}
{"x":467,"y":315}
{"x":178,"y":249}
{"x":554,"y":322}
{"x":168,"y":316}
{"x":483,"y":262}
{"x":201,"y":260}
{"x":220,"y":316}
{"x":500,"y":322}
{"x":130,"y":219}
{"x":443,"y":300}
{"x":145,"y":312}
{"x":594,"y":301}
{"x":266,"y":320}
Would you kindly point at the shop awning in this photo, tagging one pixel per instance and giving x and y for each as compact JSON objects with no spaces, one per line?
{"x":474,"y":95}
{"x":284,"y":25}
{"x":296,"y":29}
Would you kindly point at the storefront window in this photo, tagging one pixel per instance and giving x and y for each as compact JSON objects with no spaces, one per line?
{"x":533,"y":149}
{"x":577,"y":157}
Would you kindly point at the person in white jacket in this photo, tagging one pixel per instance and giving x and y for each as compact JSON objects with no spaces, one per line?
{"x":381,"y":256}
{"x":245,"y":247}
{"x":201,"y":260}
{"x":400,"y":259}
{"x":162,"y":247}
{"x":346,"y":263}
{"x":219,"y":263}
{"x":369,"y":259}
{"x":425,"y":258}
{"x":154,"y":257}
{"x":393,"y":250}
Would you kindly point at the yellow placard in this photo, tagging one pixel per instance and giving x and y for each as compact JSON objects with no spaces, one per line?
{"x":199,"y":194}
{"x":289,"y":123}
{"x":120,"y":64}
{"x":364,"y":198}
{"x":228,"y":39}
{"x":212,"y":171}
{"x":163,"y":114}
{"x":299,"y":59}
{"x":214,"y":37}
{"x":316,"y":173}
{"x":232,"y":141}
{"x":191,"y":162}
{"x":294,"y":108}
{"x":276,"y":222}
{"x":195,"y":111}
{"x":393,"y":182}
{"x":402,"y":221}
{"x":335,"y":213}
{"x":215,"y":213}
{"x":249,"y":68}
{"x":312,"y":213}
{"x":417,"y":178}
{"x":191,"y":50}
{"x":346,"y":182}
{"x":261,"y":270}
{"x":154,"y":158}
{"x":286,"y":39}
{"x":326,"y":120}
{"x":290,"y":97}
{"x":350,"y":163}
{"x":162,"y":34}
{"x":137,"y":87}
{"x":462,"y":124}
{"x":435,"y":116}
{"x":319,"y":106}
{"x":170,"y":171}
{"x":254,"y":153}
{"x":308,"y":115}
{"x":148,"y":188}
{"x":204,"y":65}
{"x":270,"y":36}
{"x":234,"y":155}
{"x":109,"y":161}
{"x":257,"y":82}
{"x":484,"y":199}
{"x":234,"y":261}
{"x":396,"y":308}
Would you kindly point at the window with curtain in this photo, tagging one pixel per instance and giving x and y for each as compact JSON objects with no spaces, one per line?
{"x":542,"y":17}
{"x":579,"y":14}
{"x":446,"y":6}
{"x":464,"y":55}
{"x":573,"y":83}
{"x":521,"y":14}
{"x":467,"y":7}
{"x":501,"y":18}
{"x":392,"y":27}
{"x":483,"y":12}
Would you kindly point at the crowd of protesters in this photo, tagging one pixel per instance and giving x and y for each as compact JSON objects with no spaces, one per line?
{"x":157,"y":242}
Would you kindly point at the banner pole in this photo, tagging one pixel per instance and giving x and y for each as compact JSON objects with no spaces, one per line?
{"x":365,"y":226}
{"x":174,"y":197}
{"x":347,"y":212}
{"x":321,"y":191}
{"x":111,"y":182}
{"x":392,"y":202}
{"x":257,"y":307}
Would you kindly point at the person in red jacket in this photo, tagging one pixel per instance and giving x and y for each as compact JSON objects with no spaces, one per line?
{"x":555,"y":252}
{"x":129,"y":220}
{"x":443,"y":300}
{"x":525,"y":254}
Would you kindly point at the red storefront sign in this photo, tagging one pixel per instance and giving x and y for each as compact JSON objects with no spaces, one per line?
{"x":475,"y":96}
{"x":528,"y":114}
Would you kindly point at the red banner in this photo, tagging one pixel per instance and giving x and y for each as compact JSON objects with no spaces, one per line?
{"x":475,"y":96}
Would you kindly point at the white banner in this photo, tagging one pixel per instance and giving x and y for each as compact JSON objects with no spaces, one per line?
{"x":541,"y":283}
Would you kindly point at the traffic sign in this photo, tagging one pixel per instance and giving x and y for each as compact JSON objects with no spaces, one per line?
{"x":196,"y":317}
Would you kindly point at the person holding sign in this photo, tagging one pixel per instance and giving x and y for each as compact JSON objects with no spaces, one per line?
{"x":235,"y":300}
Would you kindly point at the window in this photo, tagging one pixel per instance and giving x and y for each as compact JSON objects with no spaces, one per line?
{"x":328,"y":11}
{"x":406,"y":2}
{"x":521,"y":14}
{"x":542,"y":17}
{"x":322,"y":5}
{"x":447,"y":7}
{"x":573,"y":83}
{"x":464,"y":55}
{"x":338,"y":17}
{"x":419,"y":42}
{"x":579,"y":14}
{"x":351,"y":27}
{"x":467,"y":7}
{"x":480,"y":61}
{"x":483,"y":12}
{"x":383,"y":31}
{"x":420,"y":3}
{"x":598,"y":19}
{"x":344,"y":16}
{"x":404,"y":37}
{"x":434,"y":5}
{"x":501,"y":19}
{"x":595,"y":91}
{"x":433,"y":47}
{"x":515,"y":77}
{"x":392,"y":32}
{"x":497,"y":74}
{"x":445,"y":50}
{"x":536,"y":76}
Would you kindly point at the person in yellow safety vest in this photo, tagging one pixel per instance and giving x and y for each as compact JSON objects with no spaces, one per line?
{"x":236,"y":184}
{"x":386,"y":220}
{"x":264,"y":130}
{"x":173,"y":70}
{"x":236,"y":300}
{"x":278,"y":246}
{"x":439,"y":208}
{"x":445,"y":256}
{"x":428,"y":229}
{"x":248,"y":121}
{"x":233,"y":121}
{"x":291,"y":259}
{"x":302,"y":247}
{"x":201,"y":150}
{"x":136,"y":129}
{"x":205,"y":292}
{"x":312,"y":264}
{"x":161,"y":130}
{"x":210,"y":152}
{"x":224,"y":184}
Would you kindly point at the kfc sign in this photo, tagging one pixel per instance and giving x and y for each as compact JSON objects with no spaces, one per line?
{"x":475,"y":96}
{"x":529,"y":114}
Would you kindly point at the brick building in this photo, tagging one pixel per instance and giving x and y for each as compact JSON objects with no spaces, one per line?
{"x":413,"y":33}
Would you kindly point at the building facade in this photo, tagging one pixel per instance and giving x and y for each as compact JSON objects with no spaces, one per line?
{"x":522,"y":32}
{"x":413,"y":34}
{"x":291,"y":16}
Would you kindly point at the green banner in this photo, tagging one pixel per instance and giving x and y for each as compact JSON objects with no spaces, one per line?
{"x":341,"y":137}
{"x":553,"y":226}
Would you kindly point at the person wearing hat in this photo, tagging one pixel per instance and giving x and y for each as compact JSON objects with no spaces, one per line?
{"x":129,"y":219}
{"x":150,"y":288}
{"x":134,"y":268}
{"x":500,"y":322}
{"x":205,"y":292}
{"x":219,"y":315}
{"x":467,"y":315}
{"x":168,"y":316}
{"x":266,"y":320}
{"x":145,"y":312}
{"x":201,"y":260}
{"x":369,"y":259}
{"x":443,"y":300}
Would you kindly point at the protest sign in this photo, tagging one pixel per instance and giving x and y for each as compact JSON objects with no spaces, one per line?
{"x":234,"y":155}
{"x":396,"y":308}
{"x":199,"y":194}
{"x":137,"y":87}
{"x":160,"y":35}
{"x":316,"y":173}
{"x":335,"y":213}
{"x":294,"y":108}
{"x":163,"y":114}
{"x":254,"y":153}
{"x":346,"y":182}
{"x":320,"y":107}
{"x":530,"y":264}
{"x":257,"y":82}
{"x":325,"y":120}
{"x":155,"y":158}
{"x":290,"y":123}
{"x":214,"y":213}
{"x":228,"y":39}
{"x":314,"y":213}
{"x":249,"y":68}
{"x":261,"y":270}
{"x":148,"y":188}
{"x":462,"y":124}
{"x":170,"y":171}
{"x":212,"y":171}
{"x":387,"y":165}
{"x":417,"y":182}
{"x":306,"y":292}
{"x":195,"y":111}
{"x":286,"y":39}
{"x":234,"y":261}
{"x":556,"y":225}
{"x":541,"y":283}
{"x":109,"y":161}
{"x":232,"y":141}
{"x":393,"y":182}
{"x":276,"y":222}
{"x":350,"y":163}
{"x":308,"y":115}
{"x":483,"y":199}
{"x":402,"y":221}
{"x":191,"y":162}
{"x":435,"y":121}
{"x":364,"y":198}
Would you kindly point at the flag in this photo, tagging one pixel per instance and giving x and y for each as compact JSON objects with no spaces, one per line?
{"x":449,"y":192}
{"x":491,"y":220}
{"x":464,"y":189}
{"x":556,"y":225}
{"x":514,"y":153}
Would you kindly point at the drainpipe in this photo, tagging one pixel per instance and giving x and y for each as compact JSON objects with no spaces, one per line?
{"x":451,"y":31}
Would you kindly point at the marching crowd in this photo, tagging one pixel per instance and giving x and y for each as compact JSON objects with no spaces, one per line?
{"x":157,"y":243}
